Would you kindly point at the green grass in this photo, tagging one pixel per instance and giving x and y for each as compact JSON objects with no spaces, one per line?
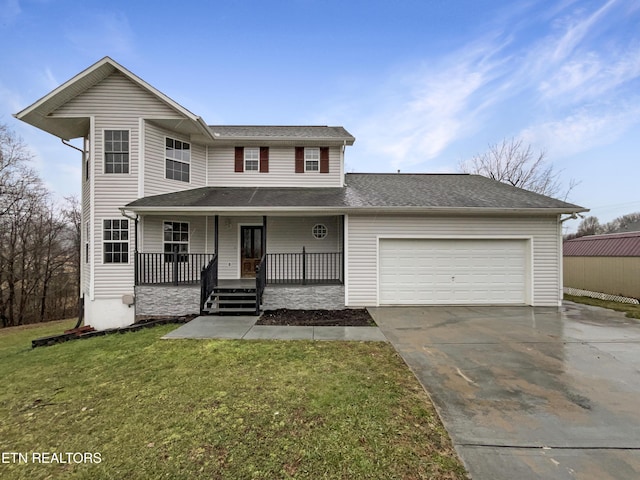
{"x":631,"y":310}
{"x":216,"y":409}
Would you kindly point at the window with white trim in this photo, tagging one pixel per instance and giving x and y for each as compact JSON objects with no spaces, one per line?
{"x":319,"y":231}
{"x":115,"y":236}
{"x":312,"y":159}
{"x":116,"y":151}
{"x":177,"y":159}
{"x":176,"y":241}
{"x":251,"y":159}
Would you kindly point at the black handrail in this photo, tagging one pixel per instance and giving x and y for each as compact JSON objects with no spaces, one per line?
{"x":304,"y":268}
{"x":208,"y":281}
{"x":261,"y":281}
{"x":170,"y":268}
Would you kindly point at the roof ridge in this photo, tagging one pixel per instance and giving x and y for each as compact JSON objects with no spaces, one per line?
{"x":602,"y":236}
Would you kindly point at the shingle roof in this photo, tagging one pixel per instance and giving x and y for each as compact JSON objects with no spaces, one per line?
{"x":610,"y":245}
{"x":270,"y":132}
{"x":445,"y":190}
{"x":426,"y":191}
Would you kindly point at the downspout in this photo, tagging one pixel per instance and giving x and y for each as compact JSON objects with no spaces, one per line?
{"x":573,"y":216}
{"x":81,"y":299}
{"x":73,"y":146}
{"x":135,"y":242}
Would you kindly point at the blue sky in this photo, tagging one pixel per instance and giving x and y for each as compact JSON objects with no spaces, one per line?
{"x":422,"y":85}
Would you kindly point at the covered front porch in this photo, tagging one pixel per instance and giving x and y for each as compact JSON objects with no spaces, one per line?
{"x":232,"y":259}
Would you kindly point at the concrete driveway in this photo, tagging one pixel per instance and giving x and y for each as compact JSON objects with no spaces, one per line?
{"x":529,"y":393}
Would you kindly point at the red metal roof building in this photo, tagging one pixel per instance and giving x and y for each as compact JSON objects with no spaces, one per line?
{"x":611,"y":245}
{"x":607,"y":264}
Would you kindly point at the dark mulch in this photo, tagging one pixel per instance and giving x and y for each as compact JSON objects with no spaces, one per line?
{"x":317,"y":318}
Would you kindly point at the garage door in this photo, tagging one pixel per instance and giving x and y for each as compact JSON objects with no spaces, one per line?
{"x":450,"y":272}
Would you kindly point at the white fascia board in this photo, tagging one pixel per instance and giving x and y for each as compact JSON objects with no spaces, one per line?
{"x":267,"y":139}
{"x":360,"y":210}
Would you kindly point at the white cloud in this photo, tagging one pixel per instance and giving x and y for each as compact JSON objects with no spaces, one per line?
{"x":576,"y":31}
{"x":434,"y":107}
{"x":581,"y":131}
{"x":50,"y":80}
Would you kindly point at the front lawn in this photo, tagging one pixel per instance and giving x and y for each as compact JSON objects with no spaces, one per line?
{"x":631,"y":310}
{"x":155,"y":408}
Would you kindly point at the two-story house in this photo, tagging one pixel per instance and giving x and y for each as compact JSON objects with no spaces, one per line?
{"x":183,"y":217}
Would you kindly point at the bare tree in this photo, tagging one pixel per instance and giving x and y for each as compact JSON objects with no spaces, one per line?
{"x":515,"y":163}
{"x":40,"y":246}
{"x":623,"y":223}
{"x":15,"y":174}
{"x":589,"y":226}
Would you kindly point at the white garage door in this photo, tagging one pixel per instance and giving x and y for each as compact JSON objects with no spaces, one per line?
{"x":450,"y":272}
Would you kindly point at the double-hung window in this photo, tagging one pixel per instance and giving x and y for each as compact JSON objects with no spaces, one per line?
{"x":116,"y":151}
{"x":311,"y":159}
{"x":176,"y":241}
{"x":251,"y":159}
{"x":177,"y":159}
{"x":115,"y":235}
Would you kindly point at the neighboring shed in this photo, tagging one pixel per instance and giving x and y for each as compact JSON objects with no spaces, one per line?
{"x":604,"y":263}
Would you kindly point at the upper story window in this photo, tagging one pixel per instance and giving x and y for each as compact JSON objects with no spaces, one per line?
{"x":251,"y":159}
{"x":311,"y":159}
{"x":116,"y":151}
{"x":178,"y":159}
{"x":176,"y":241}
{"x":115,"y":235}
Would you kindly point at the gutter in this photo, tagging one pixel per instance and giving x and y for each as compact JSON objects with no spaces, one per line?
{"x":199,"y":210}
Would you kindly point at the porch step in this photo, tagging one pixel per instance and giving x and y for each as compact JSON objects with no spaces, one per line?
{"x":231,"y":301}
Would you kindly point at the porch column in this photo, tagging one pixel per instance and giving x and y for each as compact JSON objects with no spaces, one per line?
{"x":343,"y":251}
{"x":264,"y":235}
{"x":215,"y":234}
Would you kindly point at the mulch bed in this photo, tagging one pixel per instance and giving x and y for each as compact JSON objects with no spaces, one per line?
{"x":317,"y":318}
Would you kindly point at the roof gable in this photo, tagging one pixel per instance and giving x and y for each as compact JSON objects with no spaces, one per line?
{"x":39,"y":113}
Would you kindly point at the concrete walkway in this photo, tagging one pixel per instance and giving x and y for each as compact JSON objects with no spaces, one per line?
{"x":245,"y":328}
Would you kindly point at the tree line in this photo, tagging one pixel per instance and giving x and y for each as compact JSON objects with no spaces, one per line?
{"x":592,"y":226}
{"x":39,"y":242}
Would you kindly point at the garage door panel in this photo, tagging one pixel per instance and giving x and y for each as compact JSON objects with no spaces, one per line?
{"x":427,"y":271}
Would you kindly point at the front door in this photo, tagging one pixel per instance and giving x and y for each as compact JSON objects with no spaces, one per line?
{"x":250,"y":250}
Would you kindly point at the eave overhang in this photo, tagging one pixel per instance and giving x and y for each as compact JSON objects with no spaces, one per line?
{"x":442,"y":211}
{"x":40,"y":113}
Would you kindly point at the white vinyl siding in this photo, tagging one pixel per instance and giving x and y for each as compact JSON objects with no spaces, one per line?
{"x":281,"y":173}
{"x":366,"y":230}
{"x":422,"y":271}
{"x":200,"y":233}
{"x":155,"y":181}
{"x":115,"y":103}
